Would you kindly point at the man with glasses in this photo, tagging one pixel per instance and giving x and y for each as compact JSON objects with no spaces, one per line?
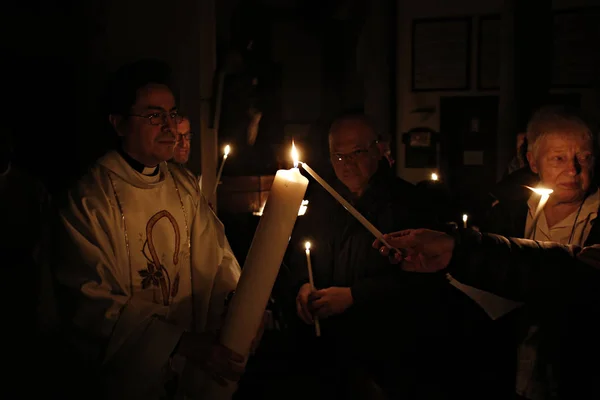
{"x":181,"y":154}
{"x":358,"y":299}
{"x":146,"y":266}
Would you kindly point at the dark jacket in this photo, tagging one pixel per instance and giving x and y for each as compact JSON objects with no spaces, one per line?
{"x":513,"y":187}
{"x":399,"y":321}
{"x":341,"y":247}
{"x":559,"y":286}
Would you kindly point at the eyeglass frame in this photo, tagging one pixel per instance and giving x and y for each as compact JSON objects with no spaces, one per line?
{"x":352,"y":156}
{"x":163,"y":115}
{"x":187,"y":136}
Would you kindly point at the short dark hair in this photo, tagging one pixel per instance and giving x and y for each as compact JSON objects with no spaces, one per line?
{"x":128,"y":79}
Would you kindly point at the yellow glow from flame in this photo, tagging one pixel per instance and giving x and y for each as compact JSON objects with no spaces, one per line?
{"x":434,"y":176}
{"x":301,"y":211}
{"x":465,"y":217}
{"x":295,"y":155}
{"x":307,"y":246}
{"x":227,"y":150}
{"x":540,"y":191}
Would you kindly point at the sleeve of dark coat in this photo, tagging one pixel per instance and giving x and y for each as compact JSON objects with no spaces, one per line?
{"x":527,"y":270}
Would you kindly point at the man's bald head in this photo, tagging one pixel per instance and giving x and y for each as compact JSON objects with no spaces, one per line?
{"x":362,"y":124}
{"x":354,"y":152}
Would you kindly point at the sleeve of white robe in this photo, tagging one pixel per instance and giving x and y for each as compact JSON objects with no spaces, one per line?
{"x":225,"y":277}
{"x":133,"y":340}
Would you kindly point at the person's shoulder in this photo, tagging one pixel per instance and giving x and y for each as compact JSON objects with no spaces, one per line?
{"x":402,"y":189}
{"x":185,"y":179}
{"x":93,"y":184}
{"x":513,"y":187}
{"x":402,"y":184}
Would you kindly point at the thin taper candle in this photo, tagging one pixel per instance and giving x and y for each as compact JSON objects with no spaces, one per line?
{"x":225,"y":155}
{"x":370,"y":227}
{"x":545,"y":193}
{"x":312,"y":284}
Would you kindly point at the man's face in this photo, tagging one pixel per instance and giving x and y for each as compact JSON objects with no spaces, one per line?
{"x":565,"y":164}
{"x":150,"y":141}
{"x":354,"y":154}
{"x":182,"y":148}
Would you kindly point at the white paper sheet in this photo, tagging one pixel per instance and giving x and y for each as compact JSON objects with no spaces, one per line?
{"x":495,"y":306}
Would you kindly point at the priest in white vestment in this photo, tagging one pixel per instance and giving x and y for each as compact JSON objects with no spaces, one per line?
{"x":146,"y":258}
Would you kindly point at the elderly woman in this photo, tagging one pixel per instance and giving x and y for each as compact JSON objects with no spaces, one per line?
{"x":561,"y":152}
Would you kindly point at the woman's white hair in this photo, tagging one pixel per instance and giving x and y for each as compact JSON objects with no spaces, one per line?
{"x":557,"y":120}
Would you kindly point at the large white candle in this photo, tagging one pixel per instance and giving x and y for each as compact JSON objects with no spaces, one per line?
{"x":545,"y":195}
{"x":311,"y":281}
{"x":260,"y":270}
{"x":365,"y":222}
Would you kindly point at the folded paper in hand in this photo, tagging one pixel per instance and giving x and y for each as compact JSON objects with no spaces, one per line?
{"x":495,"y":306}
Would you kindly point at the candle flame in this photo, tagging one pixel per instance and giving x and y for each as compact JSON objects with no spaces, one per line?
{"x":465,"y":217}
{"x":307,"y":246}
{"x":434,"y":176}
{"x":226,"y":151}
{"x":540,"y":191}
{"x":295,"y":155}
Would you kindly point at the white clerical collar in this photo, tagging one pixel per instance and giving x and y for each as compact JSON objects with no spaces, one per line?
{"x":138,"y":166}
{"x":149,"y":170}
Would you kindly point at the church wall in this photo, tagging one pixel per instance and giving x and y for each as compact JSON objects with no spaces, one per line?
{"x":407,"y":101}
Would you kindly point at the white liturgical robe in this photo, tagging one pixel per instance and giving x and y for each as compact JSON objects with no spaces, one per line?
{"x":149,"y":260}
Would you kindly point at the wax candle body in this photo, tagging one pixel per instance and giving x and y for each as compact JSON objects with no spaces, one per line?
{"x":312,"y":286}
{"x":221,"y":170}
{"x":538,"y":211}
{"x":261,"y":267}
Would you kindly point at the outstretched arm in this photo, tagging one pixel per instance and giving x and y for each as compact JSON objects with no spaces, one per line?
{"x":518,"y":269}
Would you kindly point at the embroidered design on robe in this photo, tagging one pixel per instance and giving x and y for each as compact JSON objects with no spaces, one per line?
{"x":156,"y":274}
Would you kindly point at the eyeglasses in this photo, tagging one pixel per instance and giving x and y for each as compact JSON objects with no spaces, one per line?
{"x":187,"y":137}
{"x":161,"y":118}
{"x":352,"y":156}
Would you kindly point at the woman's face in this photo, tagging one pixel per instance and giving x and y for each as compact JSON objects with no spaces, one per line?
{"x":565,"y":164}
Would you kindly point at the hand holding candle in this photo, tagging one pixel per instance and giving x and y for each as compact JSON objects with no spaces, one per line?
{"x":225,"y":155}
{"x":545,"y":195}
{"x":312,"y":284}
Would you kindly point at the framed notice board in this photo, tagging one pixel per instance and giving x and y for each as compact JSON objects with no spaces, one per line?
{"x":441,"y":54}
{"x":489,"y":52}
{"x":576,"y":38}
